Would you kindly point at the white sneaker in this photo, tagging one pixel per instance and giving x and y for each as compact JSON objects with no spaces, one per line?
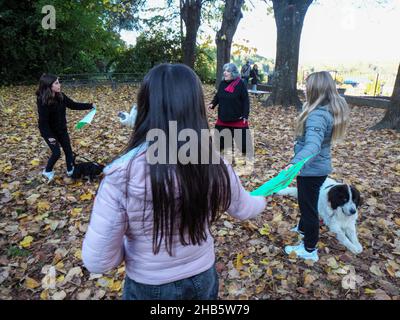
{"x":48,"y":175}
{"x":296,"y":229}
{"x":69,"y":173}
{"x":302,"y":252}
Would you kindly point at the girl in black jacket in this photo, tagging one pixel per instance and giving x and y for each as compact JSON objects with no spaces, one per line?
{"x":52,"y":104}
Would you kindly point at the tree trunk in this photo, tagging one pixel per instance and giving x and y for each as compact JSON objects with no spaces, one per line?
{"x":289,"y":17}
{"x":391,"y":120}
{"x":231,"y":17}
{"x":191,"y":14}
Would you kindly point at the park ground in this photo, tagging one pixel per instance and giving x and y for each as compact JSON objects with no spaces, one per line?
{"x":42,"y":226}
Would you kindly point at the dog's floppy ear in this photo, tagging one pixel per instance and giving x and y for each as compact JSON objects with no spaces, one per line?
{"x":355,"y":194}
{"x":338,"y":196}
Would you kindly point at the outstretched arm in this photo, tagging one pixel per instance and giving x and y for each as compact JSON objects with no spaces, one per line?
{"x":71,"y":104}
{"x":129,"y":118}
{"x":243,"y":205}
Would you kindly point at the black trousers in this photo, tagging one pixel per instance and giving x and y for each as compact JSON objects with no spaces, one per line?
{"x":308,"y":192}
{"x":64,"y":141}
{"x":242,"y":140}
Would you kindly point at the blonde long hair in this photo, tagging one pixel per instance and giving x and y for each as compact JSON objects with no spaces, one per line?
{"x":319,"y":87}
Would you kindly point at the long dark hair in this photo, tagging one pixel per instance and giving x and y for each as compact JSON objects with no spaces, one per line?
{"x":186,"y":197}
{"x":44,"y":92}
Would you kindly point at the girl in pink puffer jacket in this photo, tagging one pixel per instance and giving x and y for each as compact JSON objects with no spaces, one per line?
{"x":154,"y":209}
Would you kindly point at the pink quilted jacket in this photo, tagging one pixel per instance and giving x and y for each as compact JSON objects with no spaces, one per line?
{"x":117,"y":233}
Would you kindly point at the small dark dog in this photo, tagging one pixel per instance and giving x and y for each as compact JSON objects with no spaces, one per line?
{"x":90,"y":169}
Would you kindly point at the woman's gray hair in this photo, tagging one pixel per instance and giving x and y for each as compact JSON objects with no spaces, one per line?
{"x":231,"y":67}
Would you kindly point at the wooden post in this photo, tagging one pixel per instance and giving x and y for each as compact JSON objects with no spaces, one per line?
{"x":376,"y":83}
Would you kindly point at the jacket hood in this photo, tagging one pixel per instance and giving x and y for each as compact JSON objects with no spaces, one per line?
{"x":131,"y":173}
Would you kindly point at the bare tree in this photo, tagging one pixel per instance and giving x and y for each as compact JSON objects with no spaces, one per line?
{"x":289,"y":17}
{"x":231,"y":18}
{"x":391,"y":120}
{"x":191,"y":15}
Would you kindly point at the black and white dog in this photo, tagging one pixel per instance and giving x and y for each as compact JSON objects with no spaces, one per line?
{"x":338,"y":207}
{"x":88,"y":169}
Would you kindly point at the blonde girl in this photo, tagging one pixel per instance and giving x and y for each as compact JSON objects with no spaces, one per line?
{"x":322,"y":122}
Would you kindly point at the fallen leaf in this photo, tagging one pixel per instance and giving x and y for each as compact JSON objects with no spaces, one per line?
{"x":43,"y":206}
{"x":86,"y":196}
{"x":116,"y":286}
{"x":369,"y":291}
{"x":238,"y":261}
{"x":265,"y":230}
{"x":76,"y":211}
{"x":376,"y":270}
{"x":26,"y":242}
{"x":349,"y":282}
{"x":84,"y":295}
{"x":35,"y":162}
{"x":49,"y":280}
{"x":105,"y":282}
{"x":331,"y":262}
{"x":44,"y":295}
{"x":32,"y":198}
{"x":76,"y":271}
{"x":228,"y":225}
{"x":381,"y":295}
{"x":372,"y":201}
{"x":78,"y":254}
{"x":308,"y":280}
{"x":59,"y":295}
{"x":31,"y":283}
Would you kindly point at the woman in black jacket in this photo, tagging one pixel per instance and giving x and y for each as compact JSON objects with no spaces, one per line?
{"x":233,"y":111}
{"x":254,"y":77}
{"x":52,"y":104}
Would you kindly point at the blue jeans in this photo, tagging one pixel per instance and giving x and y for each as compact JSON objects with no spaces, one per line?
{"x":246,"y":81}
{"x":203,"y":286}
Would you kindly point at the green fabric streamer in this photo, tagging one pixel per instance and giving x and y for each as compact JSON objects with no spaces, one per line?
{"x":86,"y":119}
{"x":281,"y":181}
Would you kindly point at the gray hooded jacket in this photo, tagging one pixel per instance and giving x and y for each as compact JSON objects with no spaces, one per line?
{"x":316,"y":139}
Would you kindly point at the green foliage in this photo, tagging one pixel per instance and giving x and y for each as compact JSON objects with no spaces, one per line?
{"x":242,"y":53}
{"x":83,"y":41}
{"x":160,"y":46}
{"x":374,"y":87}
{"x":14,"y":251}
{"x":151,"y":49}
{"x":205,"y":65}
{"x":86,"y":39}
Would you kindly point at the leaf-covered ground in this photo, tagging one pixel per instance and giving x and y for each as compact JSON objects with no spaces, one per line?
{"x":42,"y":226}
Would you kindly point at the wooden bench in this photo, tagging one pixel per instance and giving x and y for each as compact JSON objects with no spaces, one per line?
{"x":258,"y":94}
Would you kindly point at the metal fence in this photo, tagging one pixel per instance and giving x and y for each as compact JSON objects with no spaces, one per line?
{"x":349,"y":83}
{"x":96,"y":79}
{"x":376,"y":84}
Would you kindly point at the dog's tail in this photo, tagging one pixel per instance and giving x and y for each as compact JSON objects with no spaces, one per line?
{"x":289,"y":191}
